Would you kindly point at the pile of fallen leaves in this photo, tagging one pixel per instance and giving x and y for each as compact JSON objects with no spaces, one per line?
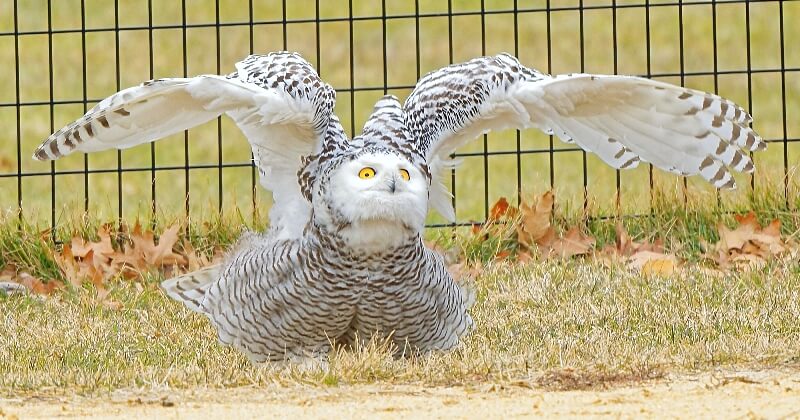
{"x":129,"y":255}
{"x":750,"y":245}
{"x":747,"y":246}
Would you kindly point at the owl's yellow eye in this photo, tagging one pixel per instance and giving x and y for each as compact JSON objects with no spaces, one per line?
{"x":366,"y":173}
{"x":405,"y":175}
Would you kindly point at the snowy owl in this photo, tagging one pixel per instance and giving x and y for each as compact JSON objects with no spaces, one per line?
{"x":343,"y":257}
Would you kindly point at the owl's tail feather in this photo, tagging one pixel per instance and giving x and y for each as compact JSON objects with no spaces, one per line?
{"x":190,"y":289}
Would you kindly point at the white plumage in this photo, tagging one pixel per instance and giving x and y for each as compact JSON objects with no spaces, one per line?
{"x":343,"y":257}
{"x":622,"y":119}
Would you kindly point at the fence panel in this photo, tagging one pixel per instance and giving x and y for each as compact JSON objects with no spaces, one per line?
{"x":69,"y":54}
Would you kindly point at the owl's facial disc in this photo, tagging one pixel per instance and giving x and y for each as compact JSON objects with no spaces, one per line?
{"x":382,"y":190}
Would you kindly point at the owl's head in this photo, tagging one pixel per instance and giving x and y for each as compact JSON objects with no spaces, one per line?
{"x":373,"y":189}
{"x":375,"y":199}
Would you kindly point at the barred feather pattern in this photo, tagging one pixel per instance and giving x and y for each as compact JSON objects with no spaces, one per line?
{"x":278,"y":101}
{"x":282,"y":72}
{"x":291,"y":73}
{"x":283,"y":299}
{"x":414,"y":300}
{"x":446,"y":101}
{"x":280,"y":300}
{"x":622,"y":119}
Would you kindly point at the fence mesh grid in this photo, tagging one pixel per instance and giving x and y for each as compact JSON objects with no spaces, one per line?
{"x":69,"y":54}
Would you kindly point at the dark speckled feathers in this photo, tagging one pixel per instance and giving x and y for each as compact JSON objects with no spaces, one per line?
{"x":622,"y":119}
{"x":447,"y":100}
{"x":285,"y":300}
{"x":278,"y":100}
{"x":291,"y":73}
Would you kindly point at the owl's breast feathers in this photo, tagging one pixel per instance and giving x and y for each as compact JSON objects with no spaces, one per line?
{"x":279,"y":299}
{"x":411,"y":297}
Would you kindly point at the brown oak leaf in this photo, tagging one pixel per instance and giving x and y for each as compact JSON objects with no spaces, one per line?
{"x":573,"y":243}
{"x":534,"y":227}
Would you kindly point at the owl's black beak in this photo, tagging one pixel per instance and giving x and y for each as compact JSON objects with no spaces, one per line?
{"x":392,"y":185}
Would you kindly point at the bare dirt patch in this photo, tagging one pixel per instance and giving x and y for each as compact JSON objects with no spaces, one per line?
{"x":763,"y":394}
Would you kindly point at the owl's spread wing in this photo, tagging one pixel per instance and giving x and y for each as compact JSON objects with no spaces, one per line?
{"x":622,"y":119}
{"x":277,"y":100}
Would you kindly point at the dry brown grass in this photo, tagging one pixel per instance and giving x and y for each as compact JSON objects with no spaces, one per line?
{"x":567,"y":325}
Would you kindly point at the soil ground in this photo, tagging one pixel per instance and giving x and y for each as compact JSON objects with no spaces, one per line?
{"x":756,"y":394}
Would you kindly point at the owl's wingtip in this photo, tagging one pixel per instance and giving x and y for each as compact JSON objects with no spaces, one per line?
{"x":41,"y":155}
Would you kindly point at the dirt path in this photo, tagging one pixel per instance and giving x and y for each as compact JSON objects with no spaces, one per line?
{"x":770,"y":394}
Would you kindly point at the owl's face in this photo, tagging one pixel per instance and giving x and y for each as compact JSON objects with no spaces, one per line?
{"x":377,"y":186}
{"x":376,"y":197}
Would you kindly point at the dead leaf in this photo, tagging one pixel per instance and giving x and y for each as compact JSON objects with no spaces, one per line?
{"x":77,"y":270}
{"x":194,"y":261}
{"x":662,"y":267}
{"x":748,"y":262}
{"x":748,"y":219}
{"x":476,"y":228}
{"x":499,"y":210}
{"x":548,"y":238}
{"x":574,"y":242}
{"x":129,"y":263}
{"x":769,"y":240}
{"x":624,"y":246}
{"x":502,"y":255}
{"x":524,"y":257}
{"x":12,"y":279}
{"x":711,"y":272}
{"x":69,"y":266}
{"x":36,"y":285}
{"x":534,"y":226}
{"x":734,"y":238}
{"x":162,"y":253}
{"x":748,"y":246}
{"x":653,"y":263}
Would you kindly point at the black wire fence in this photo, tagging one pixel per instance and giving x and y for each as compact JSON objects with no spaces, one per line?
{"x":69,"y":54}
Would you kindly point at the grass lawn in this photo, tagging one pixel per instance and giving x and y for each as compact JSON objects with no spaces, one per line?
{"x":605,"y":323}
